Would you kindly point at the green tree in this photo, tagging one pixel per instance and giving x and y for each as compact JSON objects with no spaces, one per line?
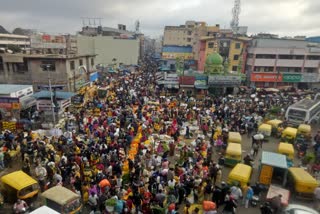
{"x":14,"y":48}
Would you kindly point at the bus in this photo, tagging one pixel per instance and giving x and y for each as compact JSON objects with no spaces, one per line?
{"x":304,"y":111}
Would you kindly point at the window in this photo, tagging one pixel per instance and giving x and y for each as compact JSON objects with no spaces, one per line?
{"x":234,"y":68}
{"x":238,"y":45}
{"x":188,"y":39}
{"x":48,"y":65}
{"x":80,"y":62}
{"x":235,"y":57}
{"x":189,"y":32}
{"x":72,"y":66}
{"x":210,"y":45}
{"x":92,"y":61}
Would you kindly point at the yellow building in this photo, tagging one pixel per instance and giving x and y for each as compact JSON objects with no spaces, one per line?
{"x":231,"y":48}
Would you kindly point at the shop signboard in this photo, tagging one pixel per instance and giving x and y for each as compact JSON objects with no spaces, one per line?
{"x":187,"y":80}
{"x":224,"y":80}
{"x":291,"y":77}
{"x":172,"y":55}
{"x":309,"y":77}
{"x":202,"y":77}
{"x":266,"y":77}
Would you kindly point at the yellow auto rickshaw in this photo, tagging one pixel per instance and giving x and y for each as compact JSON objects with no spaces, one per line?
{"x":287,"y":150}
{"x":62,"y":200}
{"x":19,"y":185}
{"x":265,"y":129}
{"x":241,"y":174}
{"x":304,"y":133}
{"x":233,"y":154}
{"x":289,"y":135}
{"x":234,"y":137}
{"x":277,"y":127}
{"x":304,"y":184}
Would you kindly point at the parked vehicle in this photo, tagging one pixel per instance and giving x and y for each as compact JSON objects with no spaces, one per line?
{"x":70,"y":203}
{"x":19,"y":185}
{"x":241,"y":174}
{"x":233,"y":154}
{"x":302,"y":182}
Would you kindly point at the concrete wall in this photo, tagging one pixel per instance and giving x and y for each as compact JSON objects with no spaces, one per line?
{"x":107,"y":48}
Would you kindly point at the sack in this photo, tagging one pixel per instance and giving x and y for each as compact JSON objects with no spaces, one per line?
{"x":208,"y":205}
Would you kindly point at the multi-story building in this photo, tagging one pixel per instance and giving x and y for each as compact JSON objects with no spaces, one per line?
{"x":232,"y":49}
{"x":70,"y":71}
{"x":10,"y":40}
{"x":111,"y":45}
{"x":188,"y":35}
{"x":274,"y":62}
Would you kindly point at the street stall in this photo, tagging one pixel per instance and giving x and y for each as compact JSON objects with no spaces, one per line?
{"x":273,"y":168}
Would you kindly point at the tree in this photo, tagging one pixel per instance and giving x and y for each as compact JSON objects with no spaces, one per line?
{"x":14,"y":48}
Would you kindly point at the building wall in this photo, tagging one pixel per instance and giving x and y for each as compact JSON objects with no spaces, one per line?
{"x":106,"y":47}
{"x":234,"y":63}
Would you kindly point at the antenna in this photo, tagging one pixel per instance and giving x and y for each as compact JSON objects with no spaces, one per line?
{"x":234,"y":24}
{"x":137,"y":26}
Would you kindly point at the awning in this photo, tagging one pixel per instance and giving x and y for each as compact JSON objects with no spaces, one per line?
{"x":186,"y":86}
{"x":201,"y":86}
{"x":172,"y":86}
{"x":28,"y":102}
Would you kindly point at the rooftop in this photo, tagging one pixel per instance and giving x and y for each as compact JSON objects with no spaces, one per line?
{"x":10,"y":88}
{"x":13,"y":36}
{"x":46,"y":56}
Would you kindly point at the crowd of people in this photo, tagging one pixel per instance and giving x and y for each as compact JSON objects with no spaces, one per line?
{"x":146,"y":146}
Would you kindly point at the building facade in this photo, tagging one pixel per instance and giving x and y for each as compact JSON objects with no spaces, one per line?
{"x":232,"y":49}
{"x":277,"y":62}
{"x":66,"y":70}
{"x":107,"y":48}
{"x":9,"y":40}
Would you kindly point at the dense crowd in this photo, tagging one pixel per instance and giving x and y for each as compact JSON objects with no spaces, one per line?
{"x":147,"y":152}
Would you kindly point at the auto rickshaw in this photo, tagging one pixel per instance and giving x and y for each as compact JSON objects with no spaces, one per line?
{"x":287,"y":150}
{"x":289,"y":135}
{"x":233,"y":154}
{"x":241,"y":174}
{"x":304,"y":133}
{"x":276,"y":127}
{"x":62,"y":200}
{"x":304,"y":184}
{"x":19,"y":185}
{"x":234,"y":137}
{"x":266,"y":130}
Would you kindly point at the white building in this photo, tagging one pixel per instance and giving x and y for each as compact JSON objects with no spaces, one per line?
{"x":273,"y":62}
{"x":6,"y":40}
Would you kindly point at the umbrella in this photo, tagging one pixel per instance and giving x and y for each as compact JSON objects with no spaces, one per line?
{"x":103,"y":183}
{"x":258,"y":137}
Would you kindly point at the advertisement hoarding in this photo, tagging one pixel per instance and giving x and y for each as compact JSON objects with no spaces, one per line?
{"x":224,"y":80}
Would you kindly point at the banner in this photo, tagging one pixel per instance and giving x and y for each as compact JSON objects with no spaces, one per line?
{"x":309,"y":77}
{"x":224,"y":80}
{"x":186,"y":80}
{"x":289,"y":77}
{"x":266,"y":77}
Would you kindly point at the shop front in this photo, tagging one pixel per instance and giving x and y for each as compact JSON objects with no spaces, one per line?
{"x":187,"y":85}
{"x":201,"y":86}
{"x":223,"y":84}
{"x":274,"y":80}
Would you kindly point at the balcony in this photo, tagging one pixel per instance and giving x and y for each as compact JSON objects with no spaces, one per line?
{"x":311,"y":63}
{"x":264,"y":62}
{"x":290,"y":63}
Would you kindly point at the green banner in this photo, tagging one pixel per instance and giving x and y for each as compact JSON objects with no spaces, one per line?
{"x":291,"y":77}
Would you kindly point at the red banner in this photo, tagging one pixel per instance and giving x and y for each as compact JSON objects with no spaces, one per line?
{"x":187,"y":80}
{"x":266,"y":77}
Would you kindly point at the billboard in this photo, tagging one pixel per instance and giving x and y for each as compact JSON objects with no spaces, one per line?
{"x":187,"y":80}
{"x":266,"y":77}
{"x":48,"y":41}
{"x":291,"y":77}
{"x":224,"y":80}
{"x":173,"y":55}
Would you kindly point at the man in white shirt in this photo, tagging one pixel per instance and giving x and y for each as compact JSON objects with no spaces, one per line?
{"x":236,"y":192}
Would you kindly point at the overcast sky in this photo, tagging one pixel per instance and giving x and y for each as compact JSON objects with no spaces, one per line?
{"x":283,"y":17}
